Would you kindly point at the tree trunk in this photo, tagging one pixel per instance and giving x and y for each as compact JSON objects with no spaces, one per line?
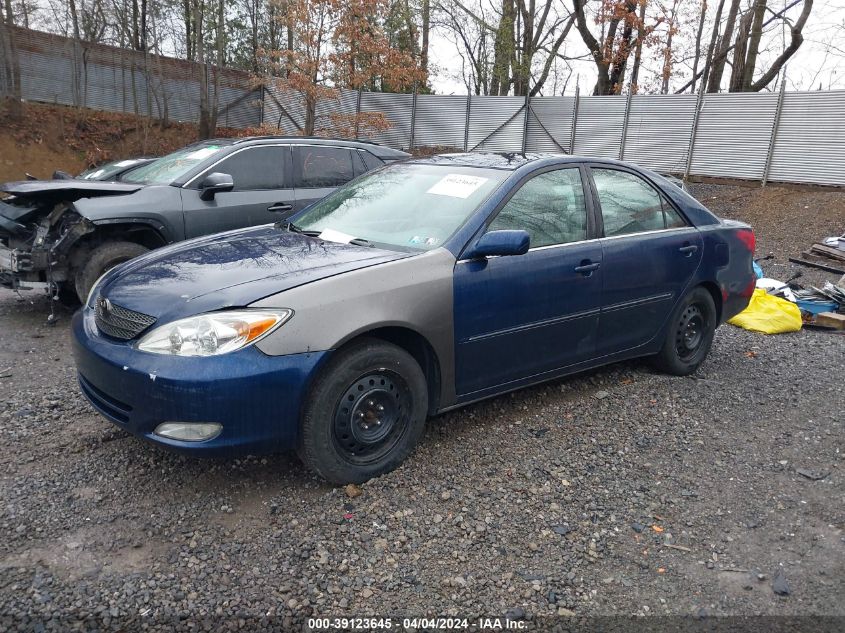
{"x":698,"y":35}
{"x":426,"y":28}
{"x":739,"y":52}
{"x":503,"y":50}
{"x":721,"y":54}
{"x":753,"y":44}
{"x":638,"y":52}
{"x":204,"y":129}
{"x":667,"y":53}
{"x":12,"y":65}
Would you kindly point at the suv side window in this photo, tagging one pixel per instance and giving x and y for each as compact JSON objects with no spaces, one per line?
{"x":256,"y":168}
{"x":550,"y":206}
{"x":631,"y":205}
{"x":319,"y":166}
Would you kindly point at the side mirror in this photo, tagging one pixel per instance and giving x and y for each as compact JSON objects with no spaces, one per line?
{"x":499,"y":244}
{"x":215,"y":183}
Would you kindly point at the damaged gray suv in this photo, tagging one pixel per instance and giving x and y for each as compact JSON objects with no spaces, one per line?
{"x":60,"y":236}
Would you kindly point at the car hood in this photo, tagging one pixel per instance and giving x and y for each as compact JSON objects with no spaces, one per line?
{"x":229,"y":270}
{"x":67,"y":190}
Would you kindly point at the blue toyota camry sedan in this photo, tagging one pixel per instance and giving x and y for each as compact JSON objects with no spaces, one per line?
{"x":414,"y":289}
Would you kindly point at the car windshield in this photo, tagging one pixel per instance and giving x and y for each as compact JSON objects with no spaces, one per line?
{"x":173,"y":166}
{"x":410,"y":206}
{"x":106,"y":171}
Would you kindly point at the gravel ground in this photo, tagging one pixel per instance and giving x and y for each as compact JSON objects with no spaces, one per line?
{"x":615,"y":492}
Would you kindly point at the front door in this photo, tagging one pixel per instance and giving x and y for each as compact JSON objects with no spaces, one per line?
{"x":320,"y":169}
{"x":523,"y":316}
{"x":649,"y":255}
{"x":263,"y":192}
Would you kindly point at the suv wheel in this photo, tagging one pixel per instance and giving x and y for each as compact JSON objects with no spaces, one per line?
{"x":101,"y":260}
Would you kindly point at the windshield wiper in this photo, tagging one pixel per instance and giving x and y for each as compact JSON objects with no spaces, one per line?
{"x":357,"y":241}
{"x":290,"y":226}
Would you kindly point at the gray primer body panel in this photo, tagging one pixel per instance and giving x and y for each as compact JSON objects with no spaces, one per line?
{"x":414,"y":293}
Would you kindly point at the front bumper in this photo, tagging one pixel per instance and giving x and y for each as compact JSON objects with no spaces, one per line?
{"x":257,"y":398}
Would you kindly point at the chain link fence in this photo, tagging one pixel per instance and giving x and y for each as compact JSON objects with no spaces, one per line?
{"x":795,"y":137}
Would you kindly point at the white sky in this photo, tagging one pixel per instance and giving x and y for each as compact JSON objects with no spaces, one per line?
{"x":819,"y":60}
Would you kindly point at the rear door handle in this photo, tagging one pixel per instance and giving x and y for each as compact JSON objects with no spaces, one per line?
{"x":688,"y":249}
{"x":587,"y":267}
{"x":280,"y":206}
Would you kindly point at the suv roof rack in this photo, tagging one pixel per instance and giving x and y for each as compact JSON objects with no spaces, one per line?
{"x":242,"y":139}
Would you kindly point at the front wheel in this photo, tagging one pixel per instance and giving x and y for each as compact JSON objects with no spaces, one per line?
{"x":689,"y":335}
{"x":101,"y":260}
{"x":365,"y":413}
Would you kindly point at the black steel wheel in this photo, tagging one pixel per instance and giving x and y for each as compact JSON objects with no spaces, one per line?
{"x":689,"y":334}
{"x":371,"y":416}
{"x":364,"y":413}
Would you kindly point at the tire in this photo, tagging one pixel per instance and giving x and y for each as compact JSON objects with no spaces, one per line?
{"x":689,"y":335}
{"x":364,"y":414}
{"x":101,"y":260}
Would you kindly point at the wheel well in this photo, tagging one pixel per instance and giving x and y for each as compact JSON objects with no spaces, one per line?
{"x":417,"y":346}
{"x":142,"y":234}
{"x":714,"y":291}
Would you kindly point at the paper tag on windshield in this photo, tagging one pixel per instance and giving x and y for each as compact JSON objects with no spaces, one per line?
{"x":457,"y":185}
{"x":203,"y":152}
{"x":330,"y":235}
{"x":124,"y":163}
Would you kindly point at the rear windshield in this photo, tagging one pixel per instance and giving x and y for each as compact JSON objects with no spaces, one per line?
{"x":406,"y":205}
{"x":172,"y":167}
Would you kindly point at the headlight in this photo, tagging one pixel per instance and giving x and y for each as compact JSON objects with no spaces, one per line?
{"x":213,"y":333}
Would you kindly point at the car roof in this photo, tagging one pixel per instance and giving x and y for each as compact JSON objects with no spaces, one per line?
{"x":508,"y":161}
{"x":371,"y":146}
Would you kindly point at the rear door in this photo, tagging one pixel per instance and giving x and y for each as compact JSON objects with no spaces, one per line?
{"x":320,"y":169}
{"x":649,"y":255}
{"x":522,"y":316}
{"x":263,"y":192}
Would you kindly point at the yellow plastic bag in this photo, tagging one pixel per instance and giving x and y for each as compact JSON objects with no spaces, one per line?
{"x":768,"y":315}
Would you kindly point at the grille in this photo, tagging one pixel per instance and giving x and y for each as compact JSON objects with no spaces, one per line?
{"x":118,"y":322}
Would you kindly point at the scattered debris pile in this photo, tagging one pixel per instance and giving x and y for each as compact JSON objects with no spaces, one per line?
{"x":828,"y":255}
{"x":822,"y":308}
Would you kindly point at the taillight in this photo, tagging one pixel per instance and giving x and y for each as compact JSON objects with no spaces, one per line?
{"x":746,"y":236}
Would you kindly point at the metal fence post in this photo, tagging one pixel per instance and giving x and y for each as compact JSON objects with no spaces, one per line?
{"x":413,"y":118}
{"x":775,"y":125}
{"x":466,"y":123}
{"x":574,"y":119}
{"x":358,"y":114}
{"x":694,"y":131}
{"x":625,"y":126}
{"x":527,"y":108}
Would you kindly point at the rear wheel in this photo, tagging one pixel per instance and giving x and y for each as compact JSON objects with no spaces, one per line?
{"x":365,"y":413}
{"x":690,"y":334}
{"x":101,"y":260}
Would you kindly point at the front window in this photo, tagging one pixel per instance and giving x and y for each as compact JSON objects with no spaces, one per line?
{"x":410,"y":206}
{"x":551,"y":207}
{"x":172,"y":167}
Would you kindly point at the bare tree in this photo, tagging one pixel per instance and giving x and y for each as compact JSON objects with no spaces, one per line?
{"x":11,"y":67}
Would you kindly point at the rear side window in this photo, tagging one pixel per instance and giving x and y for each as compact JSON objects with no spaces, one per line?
{"x":318,"y":166}
{"x":255,"y":168}
{"x":631,"y":205}
{"x":549,"y":206}
{"x":370,"y":161}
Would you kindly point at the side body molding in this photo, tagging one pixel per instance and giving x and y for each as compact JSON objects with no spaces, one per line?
{"x":414,"y":293}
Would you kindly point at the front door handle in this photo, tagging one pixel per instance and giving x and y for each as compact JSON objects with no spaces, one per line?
{"x":688,"y":249}
{"x":587,"y":267}
{"x":280,"y":206}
